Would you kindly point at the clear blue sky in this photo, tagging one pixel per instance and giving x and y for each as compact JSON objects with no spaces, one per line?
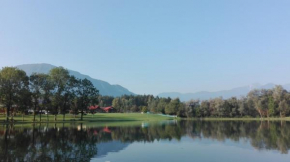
{"x":153,"y":46}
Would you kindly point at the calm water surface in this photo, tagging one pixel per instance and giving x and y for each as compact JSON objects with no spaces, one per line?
{"x":183,"y":141}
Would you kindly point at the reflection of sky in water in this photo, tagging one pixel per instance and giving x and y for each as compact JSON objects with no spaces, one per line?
{"x":188,"y":150}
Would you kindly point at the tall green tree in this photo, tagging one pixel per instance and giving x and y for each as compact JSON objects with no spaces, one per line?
{"x":87,"y":95}
{"x":205,"y":108}
{"x":69,"y":95}
{"x":279,"y":95}
{"x":12,"y":81}
{"x":24,"y":101}
{"x":173,"y":107}
{"x":105,"y":101}
{"x":47,"y":88}
{"x":59,"y":78}
{"x":283,"y":108}
{"x":153,"y":105}
{"x":37,"y":88}
{"x":161,"y":105}
{"x":271,"y":106}
{"x":234,"y":106}
{"x":193,"y":109}
{"x":221,"y":107}
{"x":116,"y":103}
{"x":242,"y":106}
{"x":254,"y":96}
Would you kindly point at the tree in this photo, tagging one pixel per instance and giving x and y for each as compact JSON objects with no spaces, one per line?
{"x":278,"y":93}
{"x":192,"y":108}
{"x":279,"y":97}
{"x":86,"y":94}
{"x":221,"y":107}
{"x":153,"y":105}
{"x":234,"y":106}
{"x":69,"y":95}
{"x":161,"y":105}
{"x":12,"y":81}
{"x":24,"y":100}
{"x":144,"y":109}
{"x":47,"y":88}
{"x":254,"y":96}
{"x":250,"y":107}
{"x":59,"y":77}
{"x":283,"y":108}
{"x":37,"y":83}
{"x":204,"y":108}
{"x":116,"y":103}
{"x":212,"y":108}
{"x":173,"y":107}
{"x":242,"y":106}
{"x":105,"y":101}
{"x":74,"y":107}
{"x":271,"y":106}
{"x":181,"y":112}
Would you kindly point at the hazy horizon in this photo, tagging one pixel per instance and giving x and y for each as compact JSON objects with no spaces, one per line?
{"x":150,"y":47}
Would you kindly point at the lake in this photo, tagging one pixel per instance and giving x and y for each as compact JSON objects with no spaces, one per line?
{"x":184,"y":141}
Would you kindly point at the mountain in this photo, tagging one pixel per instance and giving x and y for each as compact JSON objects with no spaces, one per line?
{"x":104,"y":87}
{"x":204,"y":95}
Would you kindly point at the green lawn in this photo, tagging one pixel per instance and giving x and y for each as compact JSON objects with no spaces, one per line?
{"x":110,"y":119}
{"x":99,"y":117}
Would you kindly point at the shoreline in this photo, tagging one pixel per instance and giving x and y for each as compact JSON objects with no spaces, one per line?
{"x":102,"y":118}
{"x":95,"y":118}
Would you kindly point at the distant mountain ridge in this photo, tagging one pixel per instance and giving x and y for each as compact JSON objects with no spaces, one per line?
{"x":235,"y":92}
{"x":104,"y":87}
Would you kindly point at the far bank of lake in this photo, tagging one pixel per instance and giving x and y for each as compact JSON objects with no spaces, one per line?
{"x":117,"y":118}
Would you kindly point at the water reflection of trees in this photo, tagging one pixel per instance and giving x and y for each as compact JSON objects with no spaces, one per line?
{"x":80,"y":143}
{"x":262,"y":135}
{"x":41,"y":144}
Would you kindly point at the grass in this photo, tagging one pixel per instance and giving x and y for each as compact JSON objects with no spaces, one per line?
{"x":115,"y":117}
{"x":99,"y":117}
{"x":110,"y":119}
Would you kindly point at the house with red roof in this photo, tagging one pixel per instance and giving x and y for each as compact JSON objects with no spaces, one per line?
{"x":109,"y":109}
{"x":98,"y":109}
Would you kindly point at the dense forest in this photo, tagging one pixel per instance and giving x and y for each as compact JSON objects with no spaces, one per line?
{"x":258,"y":103}
{"x":60,"y":93}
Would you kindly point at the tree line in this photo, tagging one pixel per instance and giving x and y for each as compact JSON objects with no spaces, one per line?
{"x":258,"y":103}
{"x":59,"y":93}
{"x":56,"y":92}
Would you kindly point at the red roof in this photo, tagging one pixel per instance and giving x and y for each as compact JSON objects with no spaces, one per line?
{"x":94,"y":107}
{"x":107,"y":108}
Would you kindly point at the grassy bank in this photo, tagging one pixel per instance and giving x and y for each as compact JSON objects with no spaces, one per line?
{"x":115,"y":119}
{"x":99,"y":117}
